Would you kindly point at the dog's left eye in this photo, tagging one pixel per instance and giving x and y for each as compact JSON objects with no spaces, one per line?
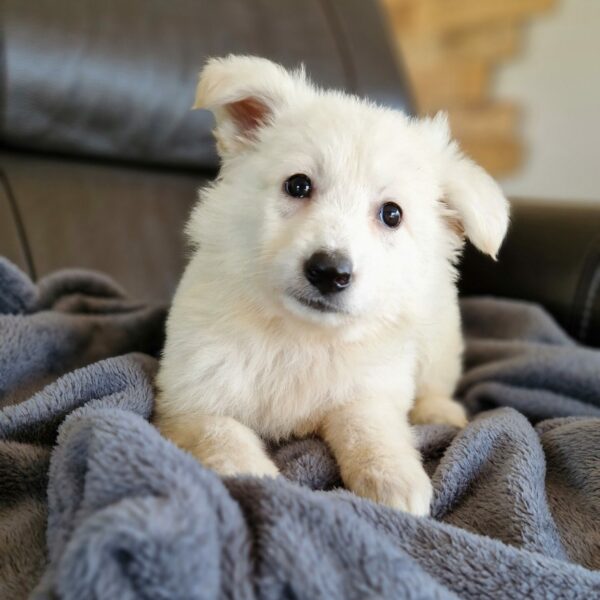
{"x":390,"y":214}
{"x":298,"y":186}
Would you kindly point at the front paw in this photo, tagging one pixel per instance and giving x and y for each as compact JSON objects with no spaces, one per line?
{"x":403,"y":485}
{"x":251,"y":463}
{"x":438,"y":411}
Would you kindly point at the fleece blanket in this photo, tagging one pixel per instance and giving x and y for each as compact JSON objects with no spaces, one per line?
{"x":94,"y":503}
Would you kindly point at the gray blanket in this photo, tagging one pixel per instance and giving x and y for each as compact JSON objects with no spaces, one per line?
{"x":94,"y":503}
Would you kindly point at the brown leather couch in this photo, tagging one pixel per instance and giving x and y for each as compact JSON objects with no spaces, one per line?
{"x":101,"y":156}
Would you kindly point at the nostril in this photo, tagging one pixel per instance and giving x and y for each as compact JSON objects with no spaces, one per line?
{"x":342,"y":280}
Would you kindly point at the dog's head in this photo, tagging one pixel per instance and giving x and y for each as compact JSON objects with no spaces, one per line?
{"x":329,"y":209}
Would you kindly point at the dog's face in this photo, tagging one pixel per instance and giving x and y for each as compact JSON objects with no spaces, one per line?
{"x":330,"y":210}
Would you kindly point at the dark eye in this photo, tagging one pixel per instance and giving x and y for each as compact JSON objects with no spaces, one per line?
{"x":298,"y":186}
{"x":390,"y":214}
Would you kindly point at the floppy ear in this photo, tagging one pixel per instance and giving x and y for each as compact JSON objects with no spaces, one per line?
{"x":244,"y":93}
{"x":470,"y":192}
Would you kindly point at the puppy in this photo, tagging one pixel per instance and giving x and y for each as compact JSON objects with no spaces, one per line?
{"x":320,"y":298}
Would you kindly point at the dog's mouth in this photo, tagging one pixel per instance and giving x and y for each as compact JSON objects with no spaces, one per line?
{"x":318,"y":304}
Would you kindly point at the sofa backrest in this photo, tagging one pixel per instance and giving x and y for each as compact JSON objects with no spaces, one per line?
{"x":115,"y":79}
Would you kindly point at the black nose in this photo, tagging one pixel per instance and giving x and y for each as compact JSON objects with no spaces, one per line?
{"x":328,"y":272}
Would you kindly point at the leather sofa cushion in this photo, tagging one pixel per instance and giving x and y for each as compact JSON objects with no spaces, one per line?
{"x":123,"y":221}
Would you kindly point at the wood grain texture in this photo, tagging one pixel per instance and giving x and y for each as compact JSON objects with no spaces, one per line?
{"x":492,"y":43}
{"x":450,"y":83}
{"x":495,"y":118}
{"x":440,"y":16}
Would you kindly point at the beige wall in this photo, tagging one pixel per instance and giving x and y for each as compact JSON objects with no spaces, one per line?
{"x":557,"y":82}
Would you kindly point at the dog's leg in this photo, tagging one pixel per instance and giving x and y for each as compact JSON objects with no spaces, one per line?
{"x":220,"y":443}
{"x":440,"y":371}
{"x":431,"y":408}
{"x":434,"y":403}
{"x":373,"y":445}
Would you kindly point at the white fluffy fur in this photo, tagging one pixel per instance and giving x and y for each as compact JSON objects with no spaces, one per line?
{"x":244,"y":360}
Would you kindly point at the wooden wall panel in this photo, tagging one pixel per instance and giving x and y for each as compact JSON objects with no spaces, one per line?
{"x":450,"y":49}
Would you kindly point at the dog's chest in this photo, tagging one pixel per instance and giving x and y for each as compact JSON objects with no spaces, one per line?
{"x":280,"y":388}
{"x":275,"y":389}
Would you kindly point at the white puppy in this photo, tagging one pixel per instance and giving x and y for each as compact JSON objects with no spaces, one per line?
{"x":320,"y":298}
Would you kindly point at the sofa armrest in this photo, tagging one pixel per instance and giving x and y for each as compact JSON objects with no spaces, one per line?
{"x":12,"y":244}
{"x":551,"y":256}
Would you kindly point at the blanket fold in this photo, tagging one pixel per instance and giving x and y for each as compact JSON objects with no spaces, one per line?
{"x":94,"y":503}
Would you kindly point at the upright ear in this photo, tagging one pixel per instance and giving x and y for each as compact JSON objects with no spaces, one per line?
{"x":244,"y":93}
{"x":470,"y":192}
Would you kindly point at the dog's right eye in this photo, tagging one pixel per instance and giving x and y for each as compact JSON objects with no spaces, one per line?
{"x":390,"y":214}
{"x":298,"y":186}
